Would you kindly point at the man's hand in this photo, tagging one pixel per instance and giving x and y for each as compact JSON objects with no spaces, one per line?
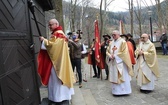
{"x":70,"y":40}
{"x":160,"y":40}
{"x":53,"y":36}
{"x":41,"y":38}
{"x":140,"y":52}
{"x":112,"y":57}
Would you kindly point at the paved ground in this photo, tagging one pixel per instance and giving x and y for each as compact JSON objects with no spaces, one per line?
{"x":100,"y":90}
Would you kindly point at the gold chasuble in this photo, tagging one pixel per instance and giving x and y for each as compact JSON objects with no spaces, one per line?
{"x":60,"y":58}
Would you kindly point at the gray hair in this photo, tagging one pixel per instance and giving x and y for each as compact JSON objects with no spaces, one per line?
{"x":116,"y":31}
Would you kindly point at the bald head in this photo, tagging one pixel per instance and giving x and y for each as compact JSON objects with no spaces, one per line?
{"x":144,"y":37}
{"x":53,"y":24}
{"x":54,"y":21}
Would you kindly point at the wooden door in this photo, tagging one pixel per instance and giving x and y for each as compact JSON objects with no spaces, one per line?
{"x":18,"y":75}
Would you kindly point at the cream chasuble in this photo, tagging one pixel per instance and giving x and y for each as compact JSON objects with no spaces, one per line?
{"x":146,"y":68}
{"x":120,"y":69}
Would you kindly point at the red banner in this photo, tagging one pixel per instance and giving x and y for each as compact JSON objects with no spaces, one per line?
{"x":97,"y":42}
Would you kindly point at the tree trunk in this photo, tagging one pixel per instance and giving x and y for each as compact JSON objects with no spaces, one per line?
{"x":73,"y":8}
{"x":101,"y":19}
{"x":132,"y":18}
{"x":130,"y":3}
{"x":166,"y":18}
{"x":59,"y":12}
{"x":138,"y":16}
{"x":159,"y":14}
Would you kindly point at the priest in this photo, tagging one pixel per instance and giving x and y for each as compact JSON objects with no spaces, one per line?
{"x":146,"y":67}
{"x":120,"y":67}
{"x":54,"y":66}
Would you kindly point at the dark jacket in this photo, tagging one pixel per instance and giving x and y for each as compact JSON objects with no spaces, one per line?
{"x":75,"y":50}
{"x":104,"y":48}
{"x":163,"y":38}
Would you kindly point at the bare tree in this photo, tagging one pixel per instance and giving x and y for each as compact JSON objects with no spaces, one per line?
{"x":77,"y":12}
{"x":159,"y":14}
{"x":138,"y":16}
{"x":131,"y":9}
{"x":160,"y":18}
{"x":72,"y":19}
{"x":103,"y":15}
{"x":166,"y":16}
{"x":101,"y":18}
{"x":59,"y":12}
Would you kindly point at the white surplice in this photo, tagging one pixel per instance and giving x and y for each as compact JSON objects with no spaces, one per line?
{"x":56,"y":91}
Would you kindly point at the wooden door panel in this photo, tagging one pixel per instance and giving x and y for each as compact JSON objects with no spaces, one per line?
{"x":13,"y":14}
{"x":0,"y":96}
{"x":19,"y":72}
{"x":18,"y":77}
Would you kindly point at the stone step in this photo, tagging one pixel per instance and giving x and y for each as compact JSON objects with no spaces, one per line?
{"x":83,"y":97}
{"x":77,"y":98}
{"x":88,"y":97}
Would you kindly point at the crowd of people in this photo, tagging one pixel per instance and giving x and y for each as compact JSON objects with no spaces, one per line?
{"x":61,"y":56}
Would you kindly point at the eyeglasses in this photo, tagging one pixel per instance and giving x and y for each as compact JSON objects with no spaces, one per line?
{"x":51,"y":24}
{"x":113,"y":34}
{"x":143,"y":37}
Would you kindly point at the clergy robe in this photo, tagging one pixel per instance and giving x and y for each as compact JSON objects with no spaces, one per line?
{"x":146,"y":67}
{"x":120,"y":69}
{"x":54,"y":67}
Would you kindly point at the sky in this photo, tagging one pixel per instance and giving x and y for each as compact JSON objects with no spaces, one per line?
{"x":122,"y":5}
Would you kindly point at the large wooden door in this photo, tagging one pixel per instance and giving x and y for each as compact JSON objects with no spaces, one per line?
{"x":18,"y":76}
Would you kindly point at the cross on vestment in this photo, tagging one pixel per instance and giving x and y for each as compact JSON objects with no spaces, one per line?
{"x":114,"y":48}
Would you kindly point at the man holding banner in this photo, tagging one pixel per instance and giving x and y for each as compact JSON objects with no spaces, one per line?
{"x":96,"y":58}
